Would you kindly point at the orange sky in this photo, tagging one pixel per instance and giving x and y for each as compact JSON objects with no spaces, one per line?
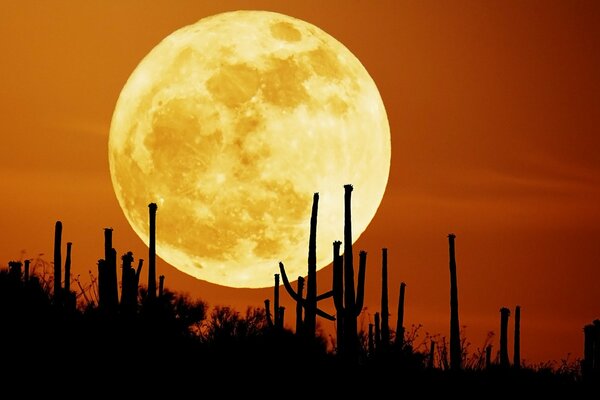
{"x":493,"y":108}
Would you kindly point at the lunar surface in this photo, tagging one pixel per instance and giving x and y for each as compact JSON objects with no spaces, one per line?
{"x":230,"y":125}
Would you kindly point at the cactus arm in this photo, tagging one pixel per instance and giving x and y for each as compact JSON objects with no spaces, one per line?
{"x":338,"y":278}
{"x":287,"y":285}
{"x":325,"y":315}
{"x":360,"y":290}
{"x":325,"y":295}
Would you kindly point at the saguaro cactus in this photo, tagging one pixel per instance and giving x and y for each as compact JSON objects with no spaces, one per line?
{"x":377,"y":332}
{"x":110,"y":283}
{"x":68,"y":269}
{"x":400,"y":321}
{"x":299,"y":307}
{"x":268,"y":313}
{"x":504,"y":314}
{"x":57,"y":259}
{"x":348,"y":303}
{"x":26,"y":272}
{"x":129,"y":283}
{"x":455,"y":350}
{"x":385,"y":311}
{"x":517,"y":348}
{"x":276,"y":301}
{"x":161,"y":285}
{"x":371,"y":342}
{"x":431,"y":357}
{"x":488,"y":356}
{"x":152,"y":207}
{"x":310,"y":303}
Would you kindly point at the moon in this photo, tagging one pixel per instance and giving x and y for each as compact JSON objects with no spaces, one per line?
{"x":230,"y":125}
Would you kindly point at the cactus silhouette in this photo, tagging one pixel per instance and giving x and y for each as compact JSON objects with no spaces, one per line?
{"x":400,"y":321}
{"x":310,"y":302}
{"x":431,"y":356}
{"x":455,"y":348}
{"x":68,"y":269}
{"x":129,"y":283}
{"x":590,"y":366}
{"x":152,"y":207}
{"x":276,"y":301}
{"x":377,"y":332}
{"x":488,"y":356}
{"x":348,"y":305}
{"x":385,"y":311}
{"x":26,"y":271}
{"x":268,"y":313}
{"x":517,"y":344}
{"x":504,"y":314}
{"x":14,"y":269}
{"x":299,"y":307}
{"x":161,"y":285}
{"x":371,"y":343}
{"x":57,"y":260}
{"x":70,"y":298}
{"x":109,"y":276}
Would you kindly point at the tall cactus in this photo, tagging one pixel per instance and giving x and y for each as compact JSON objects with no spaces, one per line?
{"x":400,"y":320}
{"x":276,"y":301}
{"x":385,"y":311}
{"x":338,"y":290}
{"x":455,"y":350}
{"x":299,"y":308}
{"x":377,"y":332}
{"x":161,"y":286}
{"x":57,"y":260}
{"x":268,"y":313}
{"x":26,"y":272}
{"x":349,"y":303}
{"x":504,"y":314}
{"x":68,"y":269}
{"x":310,"y":302}
{"x":517,"y":344}
{"x":587,"y":365}
{"x":129,"y":284}
{"x":110,"y":284}
{"x":152,"y":207}
{"x":431,"y":356}
{"x":488,"y":356}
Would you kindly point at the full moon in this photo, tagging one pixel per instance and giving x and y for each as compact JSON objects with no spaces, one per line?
{"x":230,"y":125}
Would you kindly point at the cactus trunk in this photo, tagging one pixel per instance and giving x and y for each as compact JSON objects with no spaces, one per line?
{"x":299,"y":324}
{"x":57,"y":260}
{"x":400,"y":321}
{"x":310,"y":316}
{"x":110,"y":272}
{"x":517,"y":344}
{"x":68,"y":269}
{"x":276,"y":301}
{"x":152,"y":207}
{"x":504,"y":314}
{"x":431,"y":355}
{"x":26,"y":271}
{"x":385,"y":311}
{"x":455,"y":350}
{"x":161,"y":285}
{"x":349,"y":303}
{"x":377,"y":332}
{"x":338,"y":289}
{"x":268,"y":313}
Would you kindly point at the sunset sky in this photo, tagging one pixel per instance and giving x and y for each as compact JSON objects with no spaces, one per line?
{"x":494,"y":109}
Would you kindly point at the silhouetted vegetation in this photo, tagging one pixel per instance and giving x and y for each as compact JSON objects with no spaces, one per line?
{"x":167,"y":336}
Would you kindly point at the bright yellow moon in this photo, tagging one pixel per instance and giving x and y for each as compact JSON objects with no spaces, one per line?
{"x":230,"y":125}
